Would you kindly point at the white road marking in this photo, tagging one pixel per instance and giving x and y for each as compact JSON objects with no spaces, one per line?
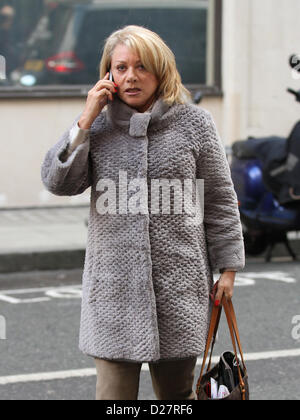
{"x":243,"y":281}
{"x":80,"y":373}
{"x":280,"y":276}
{"x":249,"y":278}
{"x":75,"y":291}
{"x":34,"y":300}
{"x":47,"y":376}
{"x":38,"y":290}
{"x":62,"y":292}
{"x":8,"y":299}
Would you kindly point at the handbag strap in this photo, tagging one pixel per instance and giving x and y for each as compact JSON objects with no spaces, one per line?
{"x":234,"y":333}
{"x":235,"y":336}
{"x":236,"y":330}
{"x":217,"y":323}
{"x":213,"y":329}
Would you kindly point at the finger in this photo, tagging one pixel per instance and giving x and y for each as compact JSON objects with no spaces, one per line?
{"x":106,"y":84}
{"x":103,"y":92}
{"x":106,"y":78}
{"x":107,"y":92}
{"x":219,"y":295}
{"x":228,"y":293}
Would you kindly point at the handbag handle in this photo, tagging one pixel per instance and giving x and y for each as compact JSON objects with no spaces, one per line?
{"x":236,"y":330}
{"x":232,"y":324}
{"x":234,"y":333}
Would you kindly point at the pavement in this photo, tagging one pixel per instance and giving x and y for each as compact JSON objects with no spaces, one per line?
{"x":43,"y":238}
{"x":55,"y":238}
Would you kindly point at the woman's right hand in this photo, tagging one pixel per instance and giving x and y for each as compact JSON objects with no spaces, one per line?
{"x":96,"y":101}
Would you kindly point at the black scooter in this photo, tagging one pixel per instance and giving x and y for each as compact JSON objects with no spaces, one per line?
{"x":266,"y":176}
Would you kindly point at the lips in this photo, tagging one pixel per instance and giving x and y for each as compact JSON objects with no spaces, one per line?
{"x":132,"y":90}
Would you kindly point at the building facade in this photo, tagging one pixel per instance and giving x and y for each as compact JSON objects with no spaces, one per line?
{"x":236,"y":52}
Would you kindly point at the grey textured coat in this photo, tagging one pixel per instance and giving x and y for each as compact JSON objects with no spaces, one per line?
{"x":147,"y":277}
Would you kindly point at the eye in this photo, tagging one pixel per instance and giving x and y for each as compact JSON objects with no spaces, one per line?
{"x":119,"y":67}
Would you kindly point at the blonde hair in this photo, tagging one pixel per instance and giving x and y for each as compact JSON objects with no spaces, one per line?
{"x":156,"y":57}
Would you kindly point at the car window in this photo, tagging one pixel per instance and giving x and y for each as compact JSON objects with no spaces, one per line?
{"x":46,"y":38}
{"x":177,"y":26}
{"x":64,"y":45}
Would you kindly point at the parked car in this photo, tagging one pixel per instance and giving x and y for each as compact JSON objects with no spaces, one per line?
{"x":66,"y":45}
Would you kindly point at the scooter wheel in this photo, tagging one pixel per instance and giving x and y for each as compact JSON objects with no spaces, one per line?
{"x":255,"y":244}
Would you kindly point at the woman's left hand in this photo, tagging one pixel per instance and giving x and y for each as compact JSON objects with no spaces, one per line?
{"x":225,"y":286}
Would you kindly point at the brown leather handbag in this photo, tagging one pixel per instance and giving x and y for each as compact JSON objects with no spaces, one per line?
{"x":241,"y":390}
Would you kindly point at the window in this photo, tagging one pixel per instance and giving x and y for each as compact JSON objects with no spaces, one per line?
{"x":56,"y":46}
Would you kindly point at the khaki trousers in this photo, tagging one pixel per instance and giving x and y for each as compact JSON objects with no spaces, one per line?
{"x":171,"y":380}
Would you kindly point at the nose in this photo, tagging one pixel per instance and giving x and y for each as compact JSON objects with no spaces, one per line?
{"x":131,"y":76}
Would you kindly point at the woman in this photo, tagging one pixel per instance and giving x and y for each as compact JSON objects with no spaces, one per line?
{"x":147,"y":276}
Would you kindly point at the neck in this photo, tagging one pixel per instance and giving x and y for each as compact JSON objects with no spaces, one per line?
{"x":121,"y":114}
{"x":147,"y":105}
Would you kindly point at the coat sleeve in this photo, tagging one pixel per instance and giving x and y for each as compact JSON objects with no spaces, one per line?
{"x":66,"y":171}
{"x":221,"y":219}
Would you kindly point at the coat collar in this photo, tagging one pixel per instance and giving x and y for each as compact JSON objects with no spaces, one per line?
{"x":121,"y":114}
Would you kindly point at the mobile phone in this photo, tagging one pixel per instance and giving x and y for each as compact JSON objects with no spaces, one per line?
{"x":111,"y":78}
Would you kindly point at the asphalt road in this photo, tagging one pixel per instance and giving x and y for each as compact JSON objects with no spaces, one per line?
{"x":39,"y":325}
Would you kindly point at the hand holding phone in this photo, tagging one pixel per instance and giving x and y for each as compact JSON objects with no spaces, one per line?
{"x":97,"y":98}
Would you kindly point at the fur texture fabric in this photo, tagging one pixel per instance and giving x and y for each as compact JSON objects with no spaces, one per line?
{"x":147,"y":276}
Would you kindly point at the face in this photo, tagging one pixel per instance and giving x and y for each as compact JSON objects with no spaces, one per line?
{"x":129,"y":73}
